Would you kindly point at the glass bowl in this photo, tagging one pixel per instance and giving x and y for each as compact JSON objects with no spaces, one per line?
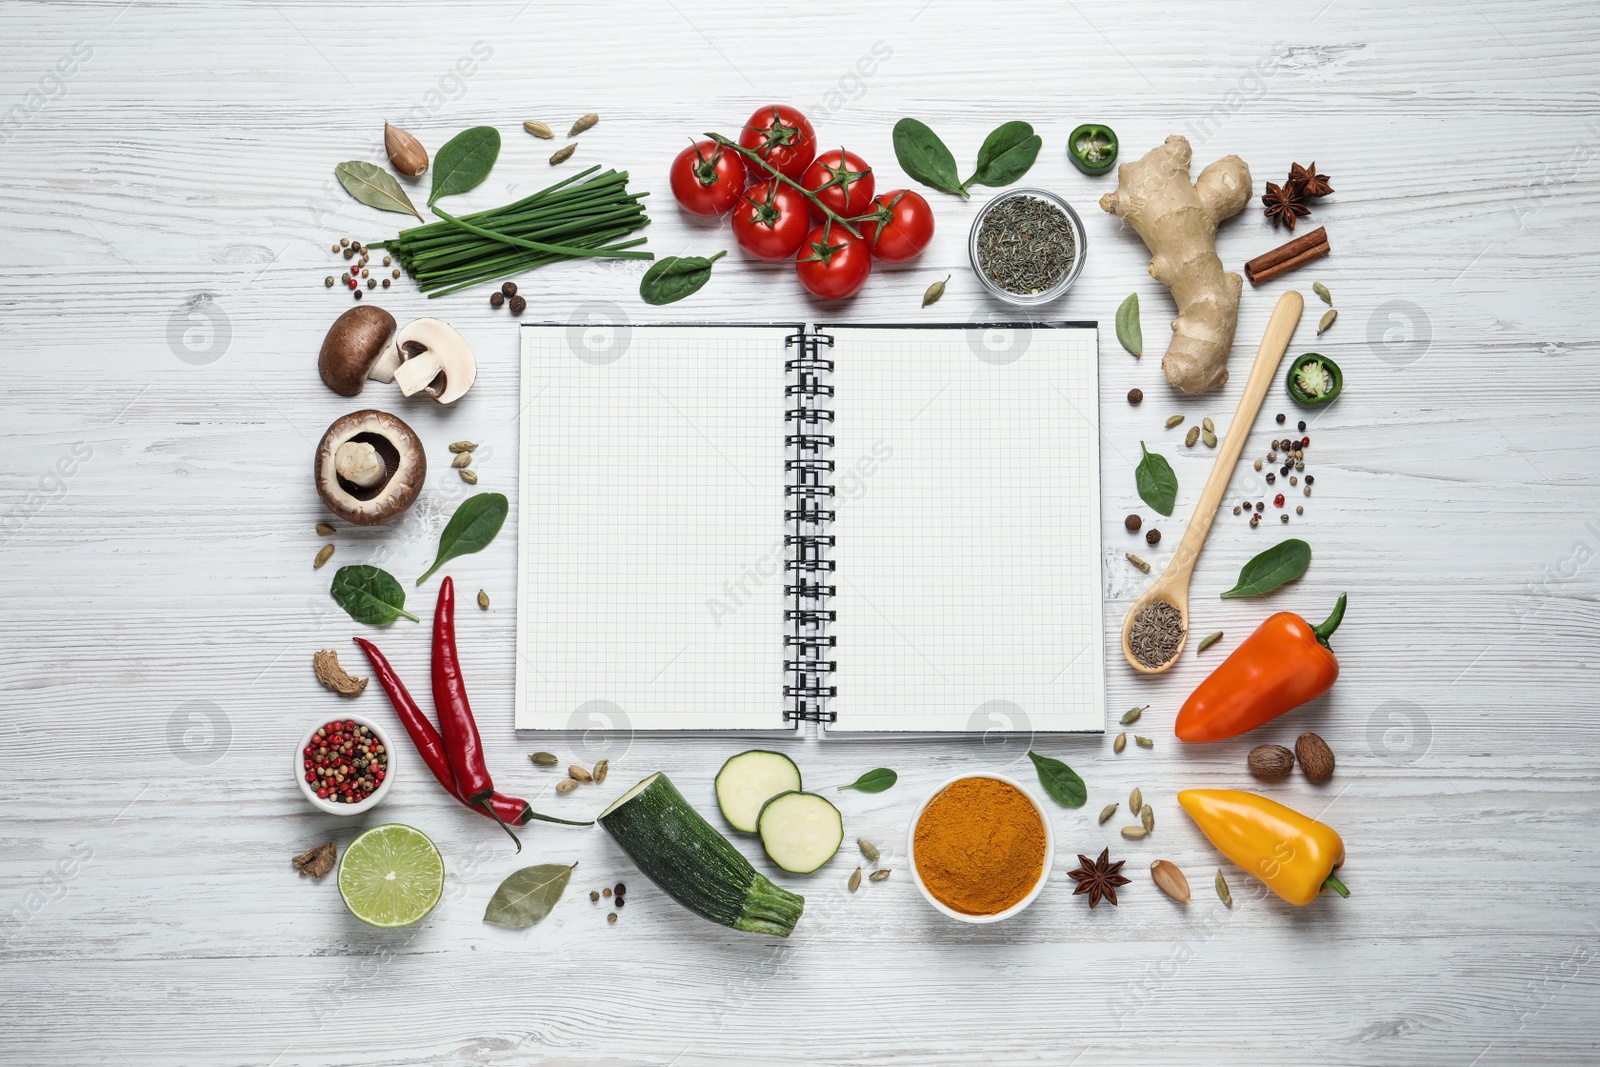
{"x":1044,"y":296}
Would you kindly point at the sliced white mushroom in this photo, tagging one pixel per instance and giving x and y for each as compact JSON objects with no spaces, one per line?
{"x":434,"y":359}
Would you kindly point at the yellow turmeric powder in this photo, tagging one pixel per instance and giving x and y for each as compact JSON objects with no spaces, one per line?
{"x":980,"y":846}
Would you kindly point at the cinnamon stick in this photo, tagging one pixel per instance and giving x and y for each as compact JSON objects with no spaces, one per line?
{"x":1297,"y":253}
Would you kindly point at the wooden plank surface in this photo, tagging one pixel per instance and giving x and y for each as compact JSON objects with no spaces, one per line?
{"x":167,"y":209}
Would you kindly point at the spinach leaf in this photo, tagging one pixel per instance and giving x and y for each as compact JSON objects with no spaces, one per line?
{"x":1282,"y":563}
{"x":470,"y":529}
{"x":923,"y":156}
{"x":464,"y":161}
{"x":1060,"y":781}
{"x":676,"y":277}
{"x":374,"y":187}
{"x":874,"y":781}
{"x":1006,"y":155}
{"x":1128,"y":331}
{"x":1158,"y":486}
{"x":527,"y":896}
{"x":370,"y":595}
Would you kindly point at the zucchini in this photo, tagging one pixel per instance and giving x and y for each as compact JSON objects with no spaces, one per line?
{"x":695,"y":865}
{"x":800,"y":831}
{"x":749,"y":780}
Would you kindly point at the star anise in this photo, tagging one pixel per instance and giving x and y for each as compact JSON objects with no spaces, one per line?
{"x":1283,"y":204}
{"x":1099,"y":878}
{"x":1308,"y":181}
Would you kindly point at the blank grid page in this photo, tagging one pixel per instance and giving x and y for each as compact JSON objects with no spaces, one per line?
{"x":650,"y":588}
{"x":969,"y":588}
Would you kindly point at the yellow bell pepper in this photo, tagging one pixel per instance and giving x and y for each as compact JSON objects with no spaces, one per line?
{"x":1293,"y":854}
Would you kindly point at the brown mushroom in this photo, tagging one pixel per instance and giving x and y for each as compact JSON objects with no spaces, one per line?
{"x":359,"y":345}
{"x":434,"y":359}
{"x":369,"y":467}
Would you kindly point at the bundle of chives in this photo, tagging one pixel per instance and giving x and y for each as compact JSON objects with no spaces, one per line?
{"x":571,"y":218}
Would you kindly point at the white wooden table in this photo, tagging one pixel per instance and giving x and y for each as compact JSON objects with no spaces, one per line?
{"x":167,"y":210}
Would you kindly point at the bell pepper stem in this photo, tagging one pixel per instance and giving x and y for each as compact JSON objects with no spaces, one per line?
{"x":1333,"y":883}
{"x":1331,"y":623}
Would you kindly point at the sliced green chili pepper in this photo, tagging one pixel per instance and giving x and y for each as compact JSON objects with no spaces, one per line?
{"x":1315,"y":379}
{"x":1093,"y":148}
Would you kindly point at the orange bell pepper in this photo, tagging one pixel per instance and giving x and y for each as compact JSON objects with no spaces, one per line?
{"x":1294,"y":855}
{"x":1285,"y":663}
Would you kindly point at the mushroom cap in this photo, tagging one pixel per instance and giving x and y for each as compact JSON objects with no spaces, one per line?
{"x":403,"y":458}
{"x":356,"y":340}
{"x":458,"y":368}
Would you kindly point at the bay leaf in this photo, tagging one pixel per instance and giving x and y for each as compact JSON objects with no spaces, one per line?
{"x":464,"y":161}
{"x":527,"y":896}
{"x":374,"y":187}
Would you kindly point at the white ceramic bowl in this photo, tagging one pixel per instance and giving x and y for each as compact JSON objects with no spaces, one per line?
{"x":1080,"y":241}
{"x":327,"y":805}
{"x":1044,"y":875}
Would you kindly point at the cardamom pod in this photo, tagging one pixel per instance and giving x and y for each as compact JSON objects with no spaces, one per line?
{"x":322,"y":556}
{"x":1137,"y":562}
{"x":1148,"y":817}
{"x":1192,"y":436}
{"x":463,"y":446}
{"x":483,"y":600}
{"x":566,"y":785}
{"x":855,"y":880}
{"x":578,"y":773}
{"x":1208,"y":424}
{"x":324,"y":529}
{"x":585,"y":123}
{"x":544,"y":759}
{"x":1327,"y":320}
{"x":1170,"y":880}
{"x":470,"y":477}
{"x":1207,"y":641}
{"x":538,"y":129}
{"x":1174,"y":420}
{"x":879,"y":876}
{"x":562,"y":155}
{"x":1106,"y":813}
{"x":1322,"y":291}
{"x":934,"y":291}
{"x":1120,"y":743}
{"x":1131,"y":716}
{"x":1136,"y":801}
{"x":868,"y":849}
{"x":1143,"y":742}
{"x":601,"y":769}
{"x":1134,"y":833}
{"x":1209,"y":437}
{"x":463,"y":459}
{"x":1222,"y":890}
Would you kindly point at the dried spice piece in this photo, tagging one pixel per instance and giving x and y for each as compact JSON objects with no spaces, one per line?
{"x":1156,"y":633}
{"x":1106,"y":812}
{"x":1137,"y":562}
{"x":934,"y":291}
{"x":1208,"y":640}
{"x":1326,"y":320}
{"x":1099,"y":878}
{"x":469,"y":477}
{"x":1222,"y":890}
{"x":463,"y":459}
{"x":588,"y":121}
{"x":855,"y":880}
{"x":330,"y":674}
{"x":1322,"y":291}
{"x":1131,"y":716}
{"x":1270,"y":763}
{"x":1148,"y":818}
{"x":1170,"y":880}
{"x":1136,"y":801}
{"x":1143,"y":742}
{"x":1134,"y":833}
{"x":1316,"y":758}
{"x":538,"y":129}
{"x":1120,"y":743}
{"x":324,"y":554}
{"x":544,"y":759}
{"x":1283,"y":204}
{"x":580,"y":773}
{"x":868,"y":849}
{"x":566,"y":785}
{"x":317,"y":861}
{"x":601,"y":769}
{"x":878,"y":876}
{"x":483,"y":600}
{"x":1308,"y":181}
{"x":324,"y":529}
{"x":562,"y":155}
{"x":464,"y":446}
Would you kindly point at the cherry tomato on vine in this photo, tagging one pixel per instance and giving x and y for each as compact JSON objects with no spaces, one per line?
{"x":707,"y":179}
{"x":783,"y":137}
{"x":901,"y":226}
{"x":842,"y":181}
{"x":771,"y":220}
{"x":833,"y":264}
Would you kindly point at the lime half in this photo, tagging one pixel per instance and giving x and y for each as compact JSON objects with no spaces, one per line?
{"x":391,"y":876}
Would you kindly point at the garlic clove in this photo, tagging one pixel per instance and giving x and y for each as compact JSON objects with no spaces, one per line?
{"x":406,"y":153}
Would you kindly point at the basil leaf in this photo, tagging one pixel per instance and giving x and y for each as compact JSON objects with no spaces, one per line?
{"x":1060,"y":781}
{"x":1006,"y":155}
{"x":374,"y":187}
{"x":1128,"y":331}
{"x":527,"y":896}
{"x":923,"y":156}
{"x":1278,"y":565}
{"x":874,"y":781}
{"x":676,"y":277}
{"x":470,"y":529}
{"x":464,"y":161}
{"x":1158,"y":486}
{"x":370,"y":595}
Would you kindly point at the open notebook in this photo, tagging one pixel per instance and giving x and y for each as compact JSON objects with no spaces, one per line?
{"x":879,"y":528}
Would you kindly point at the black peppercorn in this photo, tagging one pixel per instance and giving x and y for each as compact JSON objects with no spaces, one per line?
{"x":617,"y":901}
{"x":1280,"y":418}
{"x":1136,"y":395}
{"x":518,"y":305}
{"x":509,"y":288}
{"x":1260,"y":506}
{"x":358,"y":294}
{"x":1310,"y":480}
{"x":1271,"y":477}
{"x":619,"y":889}
{"x":1133,"y":522}
{"x":1302,"y":426}
{"x":1153,"y":537}
{"x":496,"y":299}
{"x":1283,"y":469}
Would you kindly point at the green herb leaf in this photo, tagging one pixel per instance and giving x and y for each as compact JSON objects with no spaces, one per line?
{"x":470,"y":529}
{"x":1006,"y":155}
{"x":1158,"y":486}
{"x":1128,"y":331}
{"x":875,"y":781}
{"x":676,"y":277}
{"x":528,"y":895}
{"x":464,"y":161}
{"x":923,"y":156}
{"x":1060,"y":781}
{"x":370,"y":595}
{"x":374,"y":187}
{"x":1283,"y":562}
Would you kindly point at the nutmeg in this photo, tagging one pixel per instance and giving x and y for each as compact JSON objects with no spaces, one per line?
{"x":1271,"y":763}
{"x":406,"y":153}
{"x":1316,"y":758}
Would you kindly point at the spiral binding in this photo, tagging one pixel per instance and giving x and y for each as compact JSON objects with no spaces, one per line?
{"x":808,"y":566}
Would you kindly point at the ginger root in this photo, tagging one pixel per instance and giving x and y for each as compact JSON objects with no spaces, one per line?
{"x":1178,"y":223}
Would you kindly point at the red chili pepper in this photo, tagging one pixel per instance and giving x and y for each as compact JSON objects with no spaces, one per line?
{"x":430,"y":746}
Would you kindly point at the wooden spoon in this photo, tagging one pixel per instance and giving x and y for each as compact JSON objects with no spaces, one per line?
{"x":1173,"y":585}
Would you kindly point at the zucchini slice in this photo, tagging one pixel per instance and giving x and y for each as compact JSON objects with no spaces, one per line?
{"x":749,"y":780}
{"x":695,"y":865}
{"x":800,"y":831}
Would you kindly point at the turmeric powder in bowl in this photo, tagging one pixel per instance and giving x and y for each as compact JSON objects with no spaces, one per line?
{"x":981,"y":848}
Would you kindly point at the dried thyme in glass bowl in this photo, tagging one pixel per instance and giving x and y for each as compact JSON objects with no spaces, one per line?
{"x":1027,"y":246}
